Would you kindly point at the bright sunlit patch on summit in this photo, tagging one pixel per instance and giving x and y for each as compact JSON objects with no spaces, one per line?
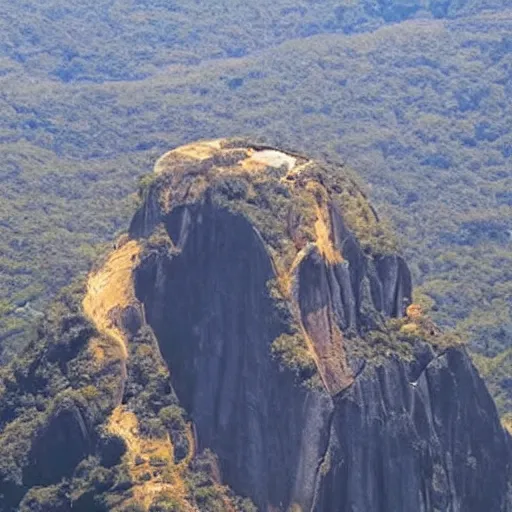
{"x":274,"y":158}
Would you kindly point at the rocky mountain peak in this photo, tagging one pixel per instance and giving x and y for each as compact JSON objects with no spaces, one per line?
{"x":249,"y":344}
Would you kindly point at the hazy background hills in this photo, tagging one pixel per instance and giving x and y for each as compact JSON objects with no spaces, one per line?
{"x":415,"y":95}
{"x":99,"y":40}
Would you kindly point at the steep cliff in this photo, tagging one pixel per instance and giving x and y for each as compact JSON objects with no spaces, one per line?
{"x":253,"y":330}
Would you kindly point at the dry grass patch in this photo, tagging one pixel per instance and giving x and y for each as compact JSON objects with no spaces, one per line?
{"x":506,"y":421}
{"x":112,"y":287}
{"x":150,"y":462}
{"x":324,"y":240}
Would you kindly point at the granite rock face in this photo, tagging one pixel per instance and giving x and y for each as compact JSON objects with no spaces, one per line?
{"x":401,"y":435}
{"x":268,"y":433}
{"x":428,"y":444}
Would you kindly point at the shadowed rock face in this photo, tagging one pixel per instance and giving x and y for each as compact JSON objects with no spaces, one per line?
{"x":431,"y":444}
{"x":210,"y":310}
{"x":395,"y":436}
{"x":60,"y":446}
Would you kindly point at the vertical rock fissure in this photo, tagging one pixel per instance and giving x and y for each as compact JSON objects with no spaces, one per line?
{"x":323,"y":464}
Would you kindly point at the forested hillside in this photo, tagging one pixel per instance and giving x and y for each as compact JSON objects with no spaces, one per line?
{"x":97,"y":40}
{"x":414,"y":95}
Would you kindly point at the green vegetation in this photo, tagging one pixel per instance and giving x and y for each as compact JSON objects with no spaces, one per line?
{"x":208,"y":492}
{"x":496,"y":371}
{"x":46,"y":392}
{"x":292,"y":351}
{"x":115,"y":40}
{"x":51,"y":228}
{"x":397,"y":337}
{"x":91,"y":95}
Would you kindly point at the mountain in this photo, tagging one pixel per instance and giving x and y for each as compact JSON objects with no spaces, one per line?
{"x":92,"y":94}
{"x":249,"y":344}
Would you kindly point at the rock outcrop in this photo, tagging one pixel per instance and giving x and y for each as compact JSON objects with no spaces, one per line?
{"x":267,"y":286}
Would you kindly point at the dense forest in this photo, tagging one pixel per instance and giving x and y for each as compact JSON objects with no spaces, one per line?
{"x":413,"y":94}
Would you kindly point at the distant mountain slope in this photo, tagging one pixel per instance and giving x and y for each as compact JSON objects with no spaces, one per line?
{"x":421,"y":108}
{"x":119,"y":40}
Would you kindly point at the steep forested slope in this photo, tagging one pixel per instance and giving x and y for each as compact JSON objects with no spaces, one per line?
{"x":420,"y":107}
